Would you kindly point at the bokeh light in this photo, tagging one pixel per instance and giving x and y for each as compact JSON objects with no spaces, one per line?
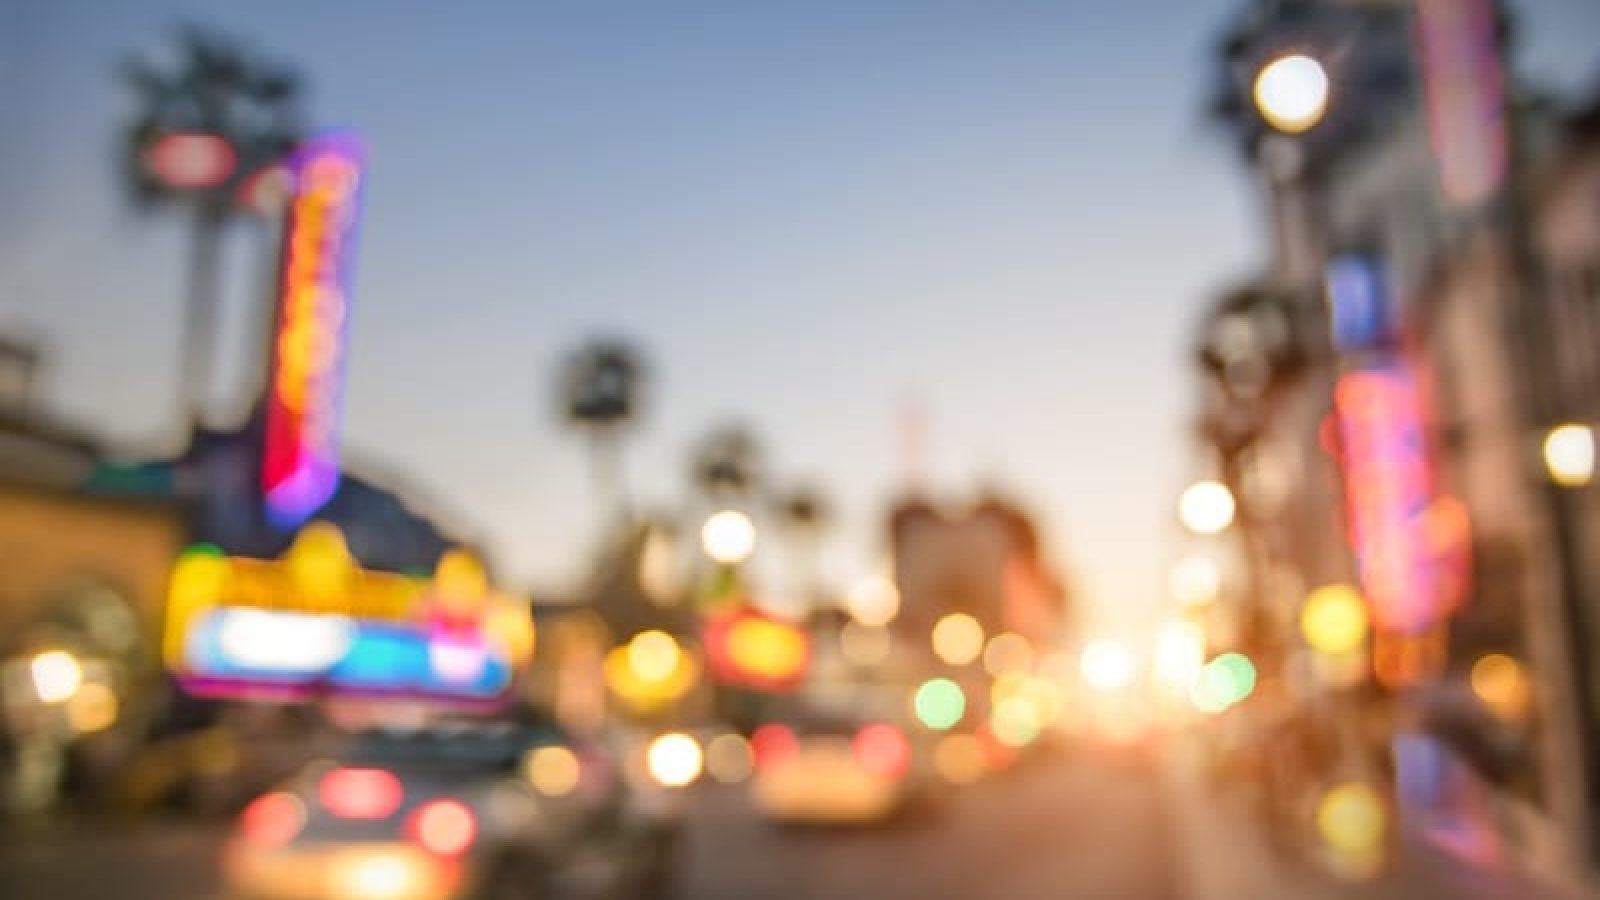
{"x":1502,"y":684}
{"x":654,"y":655}
{"x":1569,"y":454}
{"x":675,"y":759}
{"x":94,"y":707}
{"x":958,"y":639}
{"x":1334,"y":620}
{"x":56,"y":674}
{"x":729,"y":758}
{"x":553,"y":770}
{"x":939,"y":704}
{"x":1291,"y":93}
{"x":1206,"y":507}
{"x":1015,"y":722}
{"x":1007,"y":652}
{"x":729,"y":537}
{"x":1106,"y":664}
{"x":1353,"y":822}
{"x":873,"y":601}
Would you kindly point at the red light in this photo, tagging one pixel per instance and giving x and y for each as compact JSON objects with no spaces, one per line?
{"x":882,"y":750}
{"x":190,"y":161}
{"x":272,"y":820}
{"x":770,"y":743}
{"x":444,"y":827}
{"x":360,"y":793}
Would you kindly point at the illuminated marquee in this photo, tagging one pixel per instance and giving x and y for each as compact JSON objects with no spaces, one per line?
{"x":314,"y":621}
{"x":1409,"y":544}
{"x":300,"y":467}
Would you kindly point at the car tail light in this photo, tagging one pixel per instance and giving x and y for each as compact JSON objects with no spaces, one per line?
{"x":882,"y":750}
{"x":444,"y":827}
{"x":771,"y":743}
{"x":272,"y":820}
{"x":360,"y":793}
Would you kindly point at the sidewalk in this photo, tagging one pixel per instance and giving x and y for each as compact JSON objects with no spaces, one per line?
{"x":1223,"y":854}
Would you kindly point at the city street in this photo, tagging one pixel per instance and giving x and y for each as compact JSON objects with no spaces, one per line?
{"x":1061,"y":828}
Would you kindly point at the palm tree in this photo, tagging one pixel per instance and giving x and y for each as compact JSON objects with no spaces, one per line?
{"x":601,"y":394}
{"x":727,"y":463}
{"x":215,"y":91}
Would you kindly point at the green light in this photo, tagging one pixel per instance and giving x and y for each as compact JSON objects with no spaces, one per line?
{"x":939,"y":704}
{"x":1241,"y":671}
{"x":202,"y":549}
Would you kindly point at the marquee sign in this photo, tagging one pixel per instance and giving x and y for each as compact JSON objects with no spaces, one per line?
{"x":300,"y":465}
{"x":316,"y":622}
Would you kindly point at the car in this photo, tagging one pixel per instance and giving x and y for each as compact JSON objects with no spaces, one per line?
{"x":454,"y":810}
{"x":826,"y":770}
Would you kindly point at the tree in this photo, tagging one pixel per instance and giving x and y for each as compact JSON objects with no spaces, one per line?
{"x":601,"y":388}
{"x":727,"y":463}
{"x":203,"y":129}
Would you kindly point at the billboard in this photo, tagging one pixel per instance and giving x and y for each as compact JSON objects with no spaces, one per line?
{"x":300,"y":455}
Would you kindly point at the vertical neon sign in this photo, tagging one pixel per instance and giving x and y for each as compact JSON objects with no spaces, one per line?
{"x":300,"y":460}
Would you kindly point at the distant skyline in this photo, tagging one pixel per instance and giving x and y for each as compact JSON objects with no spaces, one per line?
{"x":808,"y":215}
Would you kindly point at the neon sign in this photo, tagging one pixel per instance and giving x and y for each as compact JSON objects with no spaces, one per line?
{"x":316,"y":621}
{"x":1409,"y":544}
{"x":300,"y":465}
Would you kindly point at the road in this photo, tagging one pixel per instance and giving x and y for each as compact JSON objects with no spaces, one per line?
{"x":1058,"y":829}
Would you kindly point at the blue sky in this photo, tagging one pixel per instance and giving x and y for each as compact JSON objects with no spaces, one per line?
{"x":806,"y":212}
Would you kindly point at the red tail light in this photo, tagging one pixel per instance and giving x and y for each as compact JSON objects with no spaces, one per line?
{"x":770,"y":743}
{"x":882,"y":750}
{"x":444,"y":827}
{"x":360,"y":793}
{"x":272,"y":820}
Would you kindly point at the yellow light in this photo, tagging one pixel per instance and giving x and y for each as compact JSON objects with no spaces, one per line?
{"x":460,"y":584}
{"x":767,"y":649}
{"x":729,"y":758}
{"x":1007,"y":652}
{"x":92,"y":708}
{"x":1501,"y":683}
{"x":957,"y":639}
{"x":553,"y":770}
{"x":1015,"y":722}
{"x":199,"y":579}
{"x":57,"y":675}
{"x":1352,"y":820}
{"x":1291,"y":93}
{"x":644,"y":695}
{"x":674,"y":759}
{"x":1106,"y":664}
{"x":864,"y":645}
{"x":958,"y":758}
{"x":654,"y":655}
{"x":1569,"y":455}
{"x":1180,"y":651}
{"x":319,"y":563}
{"x":1334,"y":620}
{"x":1206,"y":507}
{"x":508,"y":625}
{"x":729,"y":537}
{"x":1195,"y":580}
{"x":874,"y":601}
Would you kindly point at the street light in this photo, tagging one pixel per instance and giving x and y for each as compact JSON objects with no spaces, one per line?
{"x":1291,"y":93}
{"x":1569,"y":454}
{"x":729,"y":537}
{"x":1334,"y":620}
{"x":873,"y":601}
{"x":1206,"y":507}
